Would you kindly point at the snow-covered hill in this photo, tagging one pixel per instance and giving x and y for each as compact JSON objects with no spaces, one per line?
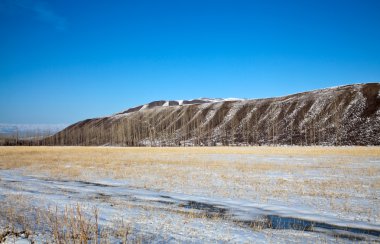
{"x":345,"y":115}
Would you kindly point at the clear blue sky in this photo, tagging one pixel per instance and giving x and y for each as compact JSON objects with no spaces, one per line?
{"x":64,"y":61}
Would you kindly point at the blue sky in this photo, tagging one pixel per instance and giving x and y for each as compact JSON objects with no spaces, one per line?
{"x":64,"y":61}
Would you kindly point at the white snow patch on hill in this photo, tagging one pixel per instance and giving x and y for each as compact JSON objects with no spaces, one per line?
{"x":144,"y":107}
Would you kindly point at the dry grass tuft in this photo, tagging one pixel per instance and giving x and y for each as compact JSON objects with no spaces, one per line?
{"x":54,"y":225}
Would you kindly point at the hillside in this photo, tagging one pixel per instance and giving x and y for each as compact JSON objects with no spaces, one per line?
{"x":345,"y":115}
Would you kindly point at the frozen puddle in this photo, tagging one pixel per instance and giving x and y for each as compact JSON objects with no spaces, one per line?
{"x":164,"y":211}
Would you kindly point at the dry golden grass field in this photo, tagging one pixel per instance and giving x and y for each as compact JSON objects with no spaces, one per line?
{"x":341,"y":181}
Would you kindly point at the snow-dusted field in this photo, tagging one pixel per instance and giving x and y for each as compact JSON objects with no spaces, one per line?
{"x":197,"y":195}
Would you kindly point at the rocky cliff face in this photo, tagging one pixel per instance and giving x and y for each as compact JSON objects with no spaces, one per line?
{"x":346,"y":115}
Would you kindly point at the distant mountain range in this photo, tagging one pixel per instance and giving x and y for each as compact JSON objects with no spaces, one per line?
{"x":344,"y":115}
{"x":29,"y":130}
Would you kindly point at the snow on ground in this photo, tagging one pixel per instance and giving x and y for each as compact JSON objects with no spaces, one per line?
{"x":190,"y":212}
{"x":167,"y":214}
{"x":180,"y":217}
